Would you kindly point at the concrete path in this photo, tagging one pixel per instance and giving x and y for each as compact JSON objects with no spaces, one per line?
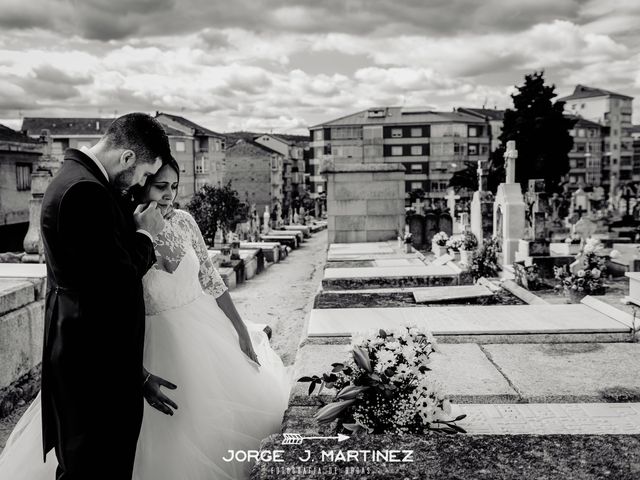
{"x":282,"y":296}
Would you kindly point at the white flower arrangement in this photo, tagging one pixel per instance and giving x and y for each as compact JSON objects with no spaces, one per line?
{"x":440,"y":239}
{"x":386,"y":386}
{"x":454,"y":243}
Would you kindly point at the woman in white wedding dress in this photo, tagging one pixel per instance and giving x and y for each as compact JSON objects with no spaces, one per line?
{"x":196,"y":339}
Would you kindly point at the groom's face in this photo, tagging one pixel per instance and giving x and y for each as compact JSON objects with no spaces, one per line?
{"x":136,"y":174}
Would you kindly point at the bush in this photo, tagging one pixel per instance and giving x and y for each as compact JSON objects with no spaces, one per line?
{"x":485,"y":260}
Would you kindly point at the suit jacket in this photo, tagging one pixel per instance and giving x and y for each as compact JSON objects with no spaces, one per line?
{"x":94,"y":318}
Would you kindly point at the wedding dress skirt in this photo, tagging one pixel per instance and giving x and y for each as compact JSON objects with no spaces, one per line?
{"x":225,"y":401}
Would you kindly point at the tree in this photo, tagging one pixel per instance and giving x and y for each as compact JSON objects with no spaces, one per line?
{"x":214,"y":208}
{"x":465,"y":179}
{"x":541,"y":132}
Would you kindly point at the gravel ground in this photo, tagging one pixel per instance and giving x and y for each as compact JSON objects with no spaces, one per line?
{"x":282,"y":296}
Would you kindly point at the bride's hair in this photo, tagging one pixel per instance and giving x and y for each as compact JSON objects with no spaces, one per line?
{"x":138,"y":193}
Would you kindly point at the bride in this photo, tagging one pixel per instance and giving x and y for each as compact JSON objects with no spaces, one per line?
{"x":232,"y":388}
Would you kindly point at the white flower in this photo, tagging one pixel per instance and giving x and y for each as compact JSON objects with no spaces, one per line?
{"x":581,"y":273}
{"x":614,"y":254}
{"x":567,"y":240}
{"x":595,"y":273}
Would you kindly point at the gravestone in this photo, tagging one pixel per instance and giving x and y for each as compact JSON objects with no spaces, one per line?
{"x":445,"y":223}
{"x":482,"y":208}
{"x":417,"y":230}
{"x":431,"y":226}
{"x":509,"y":209}
{"x":580,"y":204}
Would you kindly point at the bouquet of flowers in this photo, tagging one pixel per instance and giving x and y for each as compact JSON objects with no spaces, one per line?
{"x":469,"y":241}
{"x":386,"y":386}
{"x":585,"y":275}
{"x":485,"y":260}
{"x":440,"y":239}
{"x":454,"y":243}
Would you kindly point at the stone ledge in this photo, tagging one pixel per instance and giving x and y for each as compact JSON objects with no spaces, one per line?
{"x":15,"y":294}
{"x":361,"y":167}
{"x":570,"y":457}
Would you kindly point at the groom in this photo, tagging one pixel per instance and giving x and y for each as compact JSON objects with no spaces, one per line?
{"x":97,"y":253}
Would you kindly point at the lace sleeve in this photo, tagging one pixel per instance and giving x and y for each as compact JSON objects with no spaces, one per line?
{"x":210,"y":279}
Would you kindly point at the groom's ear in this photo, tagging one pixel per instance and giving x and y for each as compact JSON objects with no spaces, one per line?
{"x":128,"y":158}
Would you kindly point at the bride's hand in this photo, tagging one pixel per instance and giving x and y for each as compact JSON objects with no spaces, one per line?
{"x":247,"y":347}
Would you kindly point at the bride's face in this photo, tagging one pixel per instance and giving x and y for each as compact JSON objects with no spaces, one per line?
{"x":162,"y":188}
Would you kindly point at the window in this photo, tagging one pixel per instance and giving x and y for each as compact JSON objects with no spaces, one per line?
{"x":396,"y":133}
{"x":474,"y":132}
{"x":416,"y":185}
{"x":449,"y":130}
{"x":581,"y":132}
{"x":396,"y":150}
{"x":317,"y":135}
{"x":202,"y":165}
{"x":473,"y":149}
{"x":180,"y":146}
{"x":458,"y":149}
{"x":23,"y":176}
{"x":416,"y":167}
{"x":346,"y":133}
{"x":416,"y":149}
{"x":416,"y":132}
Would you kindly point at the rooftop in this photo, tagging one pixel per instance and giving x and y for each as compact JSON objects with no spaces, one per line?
{"x":243,"y":141}
{"x":583,"y":122}
{"x":9,"y":135}
{"x":400,"y":115}
{"x":198,"y":129}
{"x":582,"y":91}
{"x":33,"y":126}
{"x":491,"y":114}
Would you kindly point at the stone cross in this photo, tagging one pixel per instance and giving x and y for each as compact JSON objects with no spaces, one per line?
{"x":580,"y":211}
{"x":451,"y":202}
{"x":510,"y":161}
{"x":418,"y":206}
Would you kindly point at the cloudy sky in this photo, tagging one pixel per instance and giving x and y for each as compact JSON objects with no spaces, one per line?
{"x":284,"y":65}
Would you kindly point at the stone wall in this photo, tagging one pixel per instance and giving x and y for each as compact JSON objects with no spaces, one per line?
{"x":21,"y":334}
{"x":365,"y":202}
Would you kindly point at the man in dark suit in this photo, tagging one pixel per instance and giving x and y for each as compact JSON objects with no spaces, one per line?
{"x":97,"y":252}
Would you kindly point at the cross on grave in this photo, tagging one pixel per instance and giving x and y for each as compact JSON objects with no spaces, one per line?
{"x":580,"y":211}
{"x":418,"y":207}
{"x":510,"y":156}
{"x":451,"y":202}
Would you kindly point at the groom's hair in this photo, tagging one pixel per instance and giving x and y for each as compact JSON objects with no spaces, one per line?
{"x":142,"y":134}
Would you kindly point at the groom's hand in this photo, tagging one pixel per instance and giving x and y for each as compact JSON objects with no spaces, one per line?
{"x":149,"y":218}
{"x":154,"y":396}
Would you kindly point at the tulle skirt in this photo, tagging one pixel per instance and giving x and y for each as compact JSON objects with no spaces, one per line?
{"x":225,"y":402}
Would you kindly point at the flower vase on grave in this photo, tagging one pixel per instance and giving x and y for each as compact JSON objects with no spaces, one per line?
{"x":226,"y":256}
{"x":408,"y":239}
{"x":438,"y":250}
{"x":574,"y":296}
{"x":235,"y":250}
{"x":466,"y":256}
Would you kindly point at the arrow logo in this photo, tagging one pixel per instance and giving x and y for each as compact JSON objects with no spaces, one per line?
{"x":297,"y":439}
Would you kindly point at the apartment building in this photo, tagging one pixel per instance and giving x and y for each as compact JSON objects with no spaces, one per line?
{"x":431,"y":145}
{"x":613,"y":112}
{"x":493,"y":118}
{"x":585,"y":158}
{"x":256,"y":172}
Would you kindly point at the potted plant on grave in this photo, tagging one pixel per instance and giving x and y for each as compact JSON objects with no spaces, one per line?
{"x":386,"y":387}
{"x":439,"y":244}
{"x":453,"y":246}
{"x":584,"y":276}
{"x":527,"y":276}
{"x":469,"y":243}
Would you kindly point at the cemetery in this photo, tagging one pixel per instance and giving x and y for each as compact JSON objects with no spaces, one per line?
{"x":533,"y":311}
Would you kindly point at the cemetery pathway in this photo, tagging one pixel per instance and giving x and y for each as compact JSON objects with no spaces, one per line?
{"x":282,"y":296}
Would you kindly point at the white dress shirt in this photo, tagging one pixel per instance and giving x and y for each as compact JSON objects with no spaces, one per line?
{"x":90,"y":154}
